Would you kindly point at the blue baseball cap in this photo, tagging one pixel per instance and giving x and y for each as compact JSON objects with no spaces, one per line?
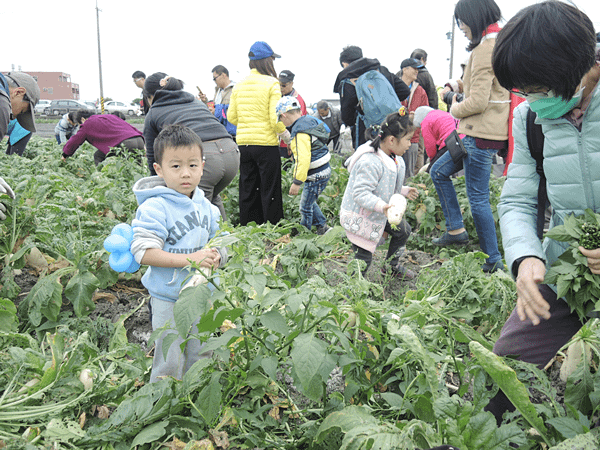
{"x":261,"y":50}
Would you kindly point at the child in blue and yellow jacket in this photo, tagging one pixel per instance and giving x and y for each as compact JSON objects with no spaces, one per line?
{"x":308,"y":138}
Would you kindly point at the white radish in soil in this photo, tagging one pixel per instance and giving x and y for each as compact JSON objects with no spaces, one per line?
{"x":87,"y":379}
{"x":578,"y":352}
{"x":397,"y":209}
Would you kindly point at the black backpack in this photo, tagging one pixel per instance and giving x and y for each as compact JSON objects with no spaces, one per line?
{"x":535,"y":141}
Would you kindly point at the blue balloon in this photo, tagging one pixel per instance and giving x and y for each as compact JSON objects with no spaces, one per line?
{"x":116,"y":243}
{"x":120,"y":261}
{"x":133,"y":267}
{"x":125,"y":230}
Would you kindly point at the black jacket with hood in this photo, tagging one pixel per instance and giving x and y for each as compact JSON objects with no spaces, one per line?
{"x":348,"y":99}
{"x":180,"y":107}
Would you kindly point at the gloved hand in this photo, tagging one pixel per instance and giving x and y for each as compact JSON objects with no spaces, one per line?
{"x":285,"y":137}
{"x":4,"y":189}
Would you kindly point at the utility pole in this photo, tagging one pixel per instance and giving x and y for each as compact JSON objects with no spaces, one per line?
{"x":451,"y":46}
{"x":99,"y":59}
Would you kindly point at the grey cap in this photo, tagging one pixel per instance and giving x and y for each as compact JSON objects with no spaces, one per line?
{"x":24,"y":80}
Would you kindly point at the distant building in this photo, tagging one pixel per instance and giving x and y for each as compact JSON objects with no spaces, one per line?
{"x":55,"y":85}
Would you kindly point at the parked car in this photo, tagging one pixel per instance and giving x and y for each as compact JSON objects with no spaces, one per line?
{"x":91,"y":105}
{"x":61,"y":107}
{"x":41,"y":106}
{"x":130,"y":110}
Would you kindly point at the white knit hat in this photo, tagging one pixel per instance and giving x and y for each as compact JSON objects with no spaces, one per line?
{"x":420,"y":114}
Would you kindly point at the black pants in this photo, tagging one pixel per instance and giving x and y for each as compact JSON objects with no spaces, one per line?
{"x":260,"y":184}
{"x":398,"y":240}
{"x":132,"y":143}
{"x":19,"y":147}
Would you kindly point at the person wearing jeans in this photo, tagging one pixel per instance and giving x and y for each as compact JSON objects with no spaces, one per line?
{"x":483,"y":115}
{"x":309,"y":209}
{"x":477,"y":166}
{"x":308,"y":137}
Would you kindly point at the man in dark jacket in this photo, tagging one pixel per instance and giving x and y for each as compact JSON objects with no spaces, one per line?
{"x":345,"y":88}
{"x":332,"y":118}
{"x":424,"y":78}
{"x":139,"y":78}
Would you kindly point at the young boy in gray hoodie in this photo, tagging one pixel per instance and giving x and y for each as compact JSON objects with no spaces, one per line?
{"x":173,"y":224}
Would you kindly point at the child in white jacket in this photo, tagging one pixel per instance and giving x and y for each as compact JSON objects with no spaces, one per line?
{"x":376,"y":173}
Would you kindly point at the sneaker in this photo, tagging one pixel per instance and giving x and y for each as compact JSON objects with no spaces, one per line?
{"x":400,"y":272}
{"x":492,"y":267}
{"x":449,"y":239}
{"x":323,"y":229}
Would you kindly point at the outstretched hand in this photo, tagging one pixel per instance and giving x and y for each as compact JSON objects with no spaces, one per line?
{"x":530,"y":303}
{"x":412,"y":193}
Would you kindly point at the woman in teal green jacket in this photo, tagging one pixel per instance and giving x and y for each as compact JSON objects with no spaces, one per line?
{"x":560,"y":84}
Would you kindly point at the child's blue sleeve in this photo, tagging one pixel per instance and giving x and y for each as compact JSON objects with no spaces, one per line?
{"x":151,"y":216}
{"x":149,"y":229}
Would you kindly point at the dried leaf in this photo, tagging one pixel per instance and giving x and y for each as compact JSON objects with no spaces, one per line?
{"x":274,"y":413}
{"x":227,"y":325}
{"x":294,"y":416}
{"x":227,"y":419}
{"x":82,"y":418}
{"x":60,"y":264}
{"x":204,"y":444}
{"x":373,"y":350}
{"x":420,"y":213}
{"x":220,"y":438}
{"x":102,"y":412}
{"x":286,"y":239}
{"x":110,"y":298}
{"x":176,"y":444}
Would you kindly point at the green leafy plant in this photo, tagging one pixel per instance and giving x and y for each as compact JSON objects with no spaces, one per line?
{"x":303,"y":351}
{"x":570,"y":273}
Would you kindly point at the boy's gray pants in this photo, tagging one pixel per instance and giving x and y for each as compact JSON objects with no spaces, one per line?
{"x":177,"y":362}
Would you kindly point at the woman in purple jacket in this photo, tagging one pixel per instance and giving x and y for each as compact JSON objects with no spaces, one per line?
{"x":103,"y":131}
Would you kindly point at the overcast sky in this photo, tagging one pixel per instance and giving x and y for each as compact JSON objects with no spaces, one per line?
{"x":187,"y":39}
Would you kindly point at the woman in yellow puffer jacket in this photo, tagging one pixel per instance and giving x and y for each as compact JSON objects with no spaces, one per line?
{"x":252,"y":110}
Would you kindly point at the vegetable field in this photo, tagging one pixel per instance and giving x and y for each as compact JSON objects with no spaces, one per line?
{"x":303,"y":352}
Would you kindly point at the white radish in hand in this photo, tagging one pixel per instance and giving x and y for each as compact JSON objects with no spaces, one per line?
{"x":397,"y":209}
{"x":198,"y":278}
